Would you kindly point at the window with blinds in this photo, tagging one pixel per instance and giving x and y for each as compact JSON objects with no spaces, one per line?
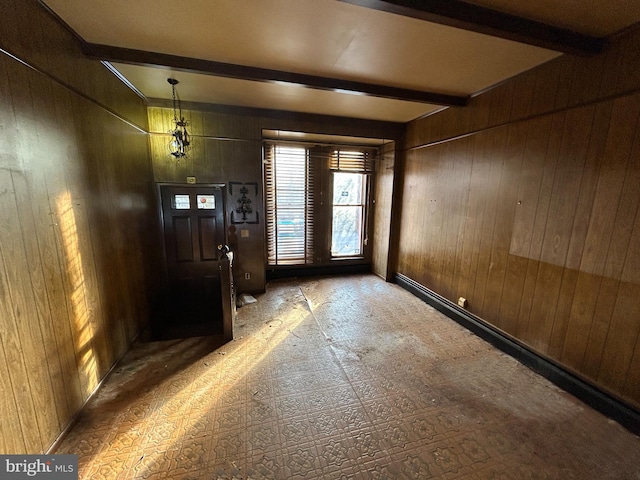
{"x":349,"y":169}
{"x":289,"y":205}
{"x":356,"y":161}
{"x":334,"y":180}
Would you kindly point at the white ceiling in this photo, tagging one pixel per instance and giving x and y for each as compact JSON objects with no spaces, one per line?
{"x":325,"y":38}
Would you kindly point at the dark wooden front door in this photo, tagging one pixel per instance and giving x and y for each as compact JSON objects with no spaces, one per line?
{"x":193,"y":221}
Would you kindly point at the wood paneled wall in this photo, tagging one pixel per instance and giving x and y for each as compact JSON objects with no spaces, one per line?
{"x":382,"y":203}
{"x":527,"y":203}
{"x":227,"y":147}
{"x":78,"y":228}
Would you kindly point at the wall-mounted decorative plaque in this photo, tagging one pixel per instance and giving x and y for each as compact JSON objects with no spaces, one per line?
{"x":243,"y":198}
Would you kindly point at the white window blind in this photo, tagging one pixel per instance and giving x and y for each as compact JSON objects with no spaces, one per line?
{"x":356,"y":161}
{"x":289,"y":202}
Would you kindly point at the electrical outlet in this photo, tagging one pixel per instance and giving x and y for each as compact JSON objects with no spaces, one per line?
{"x":247,"y":276}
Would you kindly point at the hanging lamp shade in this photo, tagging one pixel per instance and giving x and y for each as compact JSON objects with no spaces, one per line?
{"x":180,"y":140}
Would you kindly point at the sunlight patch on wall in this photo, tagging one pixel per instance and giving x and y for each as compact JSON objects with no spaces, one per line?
{"x":82,"y":328}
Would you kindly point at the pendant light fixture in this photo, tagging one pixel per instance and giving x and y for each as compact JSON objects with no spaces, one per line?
{"x":179,"y":144}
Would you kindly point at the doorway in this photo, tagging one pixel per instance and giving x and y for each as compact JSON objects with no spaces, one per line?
{"x":193,"y":221}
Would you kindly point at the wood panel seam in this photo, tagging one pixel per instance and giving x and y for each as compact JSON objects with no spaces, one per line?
{"x":608,"y":98}
{"x":71,"y":88}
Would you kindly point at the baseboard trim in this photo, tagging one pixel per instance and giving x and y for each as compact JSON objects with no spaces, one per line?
{"x":274,"y":273}
{"x":590,"y":394}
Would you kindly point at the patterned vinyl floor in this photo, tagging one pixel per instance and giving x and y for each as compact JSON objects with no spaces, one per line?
{"x":341,"y":378}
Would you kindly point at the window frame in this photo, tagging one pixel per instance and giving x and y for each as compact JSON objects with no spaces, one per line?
{"x":322,"y":161}
{"x":363,"y":205}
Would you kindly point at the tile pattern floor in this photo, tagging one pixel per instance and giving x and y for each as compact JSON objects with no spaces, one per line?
{"x":337,"y":378}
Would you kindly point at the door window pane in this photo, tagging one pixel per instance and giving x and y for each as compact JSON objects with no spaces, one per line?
{"x":206,"y":202}
{"x":181,"y":202}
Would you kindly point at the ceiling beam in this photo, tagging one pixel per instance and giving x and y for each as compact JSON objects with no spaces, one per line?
{"x":194,"y":65}
{"x":467,"y":16}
